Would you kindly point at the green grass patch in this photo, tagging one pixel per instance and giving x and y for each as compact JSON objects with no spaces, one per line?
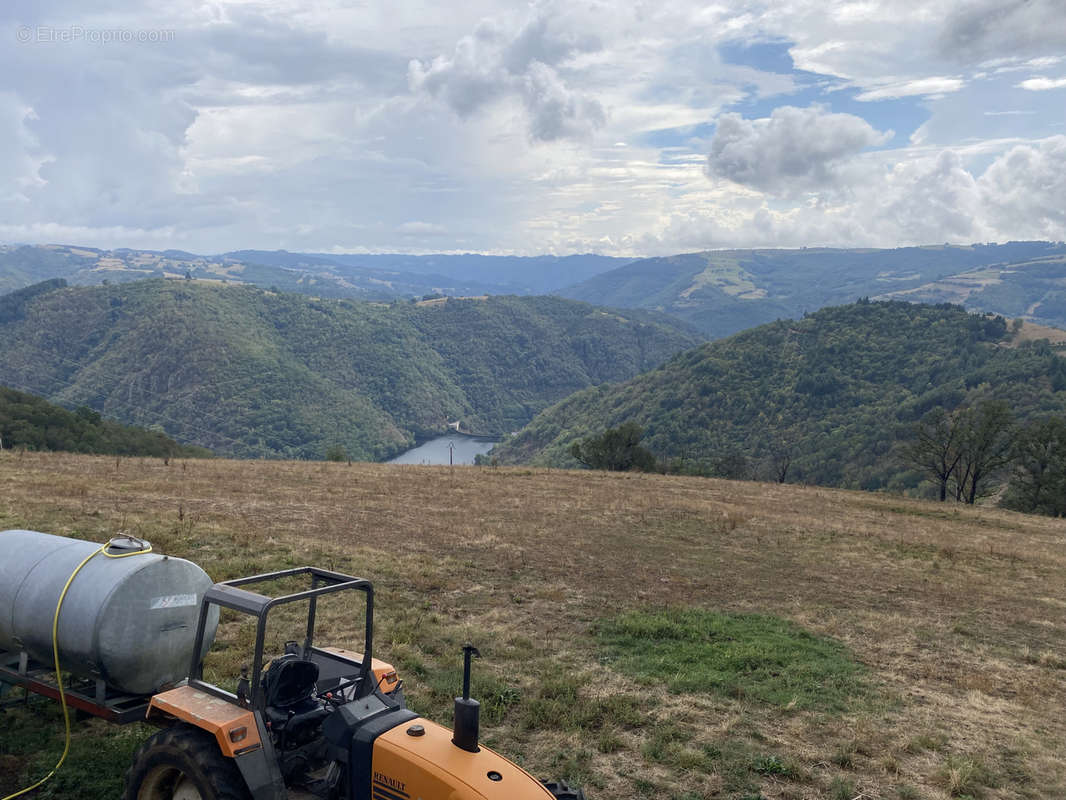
{"x":933,"y":742}
{"x":841,"y":789}
{"x":562,"y":702}
{"x":966,"y":776}
{"x":95,"y":768}
{"x":750,"y":656}
{"x":666,"y":744}
{"x":743,"y":769}
{"x":741,"y":766}
{"x":774,"y":765}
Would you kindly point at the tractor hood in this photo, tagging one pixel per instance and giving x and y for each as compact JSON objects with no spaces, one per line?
{"x":417,"y":759}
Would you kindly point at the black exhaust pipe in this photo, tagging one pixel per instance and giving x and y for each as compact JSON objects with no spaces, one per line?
{"x":467,"y":711}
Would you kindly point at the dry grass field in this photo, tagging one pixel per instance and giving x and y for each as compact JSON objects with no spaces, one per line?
{"x":956,"y":614}
{"x":1030,"y":332}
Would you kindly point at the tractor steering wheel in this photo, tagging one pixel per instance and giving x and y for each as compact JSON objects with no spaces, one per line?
{"x":335,"y":695}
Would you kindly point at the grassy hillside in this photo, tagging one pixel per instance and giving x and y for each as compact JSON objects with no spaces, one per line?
{"x":725,"y":291}
{"x":918,"y":651}
{"x":249,"y":372}
{"x":1034,"y":290}
{"x":27,"y":421}
{"x":836,"y":390}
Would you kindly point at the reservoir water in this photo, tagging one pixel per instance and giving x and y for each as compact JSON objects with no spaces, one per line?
{"x":462,"y":450}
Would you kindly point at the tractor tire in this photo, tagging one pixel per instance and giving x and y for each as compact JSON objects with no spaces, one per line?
{"x":563,"y":791}
{"x":183,"y":763}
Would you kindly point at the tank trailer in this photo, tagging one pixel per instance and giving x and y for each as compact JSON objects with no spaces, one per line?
{"x":133,"y":627}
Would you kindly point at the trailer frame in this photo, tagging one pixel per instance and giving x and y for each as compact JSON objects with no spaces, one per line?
{"x":85,"y":695}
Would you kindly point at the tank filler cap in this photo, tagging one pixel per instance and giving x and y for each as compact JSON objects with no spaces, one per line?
{"x":128,"y":544}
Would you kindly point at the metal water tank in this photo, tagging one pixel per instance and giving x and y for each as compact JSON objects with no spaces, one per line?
{"x":128,"y":621}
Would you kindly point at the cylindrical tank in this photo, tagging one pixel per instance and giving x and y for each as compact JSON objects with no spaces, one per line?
{"x":128,"y":621}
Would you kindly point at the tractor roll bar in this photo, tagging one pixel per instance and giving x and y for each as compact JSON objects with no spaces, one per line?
{"x":229,"y":594}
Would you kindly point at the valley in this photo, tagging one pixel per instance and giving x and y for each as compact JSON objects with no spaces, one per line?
{"x":248,"y":372}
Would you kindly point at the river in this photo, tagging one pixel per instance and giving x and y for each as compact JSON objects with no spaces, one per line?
{"x":436,"y":451}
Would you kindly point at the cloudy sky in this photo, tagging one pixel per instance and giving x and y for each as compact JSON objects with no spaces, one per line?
{"x":625,"y":128}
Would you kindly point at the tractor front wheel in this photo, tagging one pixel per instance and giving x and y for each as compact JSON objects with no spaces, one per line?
{"x":183,"y":763}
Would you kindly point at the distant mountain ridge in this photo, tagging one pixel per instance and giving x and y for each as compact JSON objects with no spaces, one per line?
{"x":722,"y":292}
{"x":832,"y":394}
{"x":498,"y":274}
{"x":363,"y":277}
{"x":249,"y":372}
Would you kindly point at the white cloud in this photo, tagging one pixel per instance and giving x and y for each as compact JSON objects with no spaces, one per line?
{"x":1022,"y":191}
{"x":555,"y":111}
{"x":1042,"y":84}
{"x":918,"y":86}
{"x":793,"y":148}
{"x":21,"y":164}
{"x":492,"y":63}
{"x":929,"y":199}
{"x":1044,"y":62}
{"x":902,"y":43}
{"x":896,"y":198}
{"x":998,"y":66}
{"x":468,"y":79}
{"x":983,"y":29}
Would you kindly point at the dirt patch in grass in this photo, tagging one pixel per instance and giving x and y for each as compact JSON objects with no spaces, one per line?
{"x":957,"y":614}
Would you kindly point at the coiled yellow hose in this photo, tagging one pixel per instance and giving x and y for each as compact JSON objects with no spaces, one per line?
{"x":147,"y":548}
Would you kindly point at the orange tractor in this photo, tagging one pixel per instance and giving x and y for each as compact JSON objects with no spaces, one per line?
{"x":317,"y":722}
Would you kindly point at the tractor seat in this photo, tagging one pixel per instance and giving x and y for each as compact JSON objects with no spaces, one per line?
{"x":290,"y":686}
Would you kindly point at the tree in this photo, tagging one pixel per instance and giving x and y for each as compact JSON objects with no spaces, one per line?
{"x":1038,"y":485}
{"x":937,"y":448}
{"x":87,"y":414}
{"x":732,"y":464}
{"x":780,"y":461}
{"x":615,"y":449}
{"x":985,"y":447}
{"x":336,"y":452}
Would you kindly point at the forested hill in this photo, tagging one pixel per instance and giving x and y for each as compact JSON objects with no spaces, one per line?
{"x":833,"y":393}
{"x":255,"y":373}
{"x":725,"y":291}
{"x":30,"y":422}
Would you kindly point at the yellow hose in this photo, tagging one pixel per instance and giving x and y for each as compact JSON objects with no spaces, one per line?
{"x":55,"y":657}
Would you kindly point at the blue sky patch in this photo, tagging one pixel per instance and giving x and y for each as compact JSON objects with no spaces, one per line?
{"x":766,"y":56}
